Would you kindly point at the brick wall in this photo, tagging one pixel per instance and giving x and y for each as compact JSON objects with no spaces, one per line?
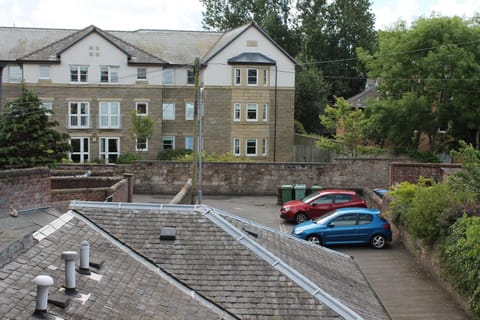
{"x":410,"y":172}
{"x":24,"y":188}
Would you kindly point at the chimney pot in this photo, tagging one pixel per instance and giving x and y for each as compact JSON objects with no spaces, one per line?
{"x":85,"y":258}
{"x":70,"y":281}
{"x":42,"y":282}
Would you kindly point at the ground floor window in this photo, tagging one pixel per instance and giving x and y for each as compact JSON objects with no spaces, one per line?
{"x":189,"y":143}
{"x":141,"y":144}
{"x":109,"y":149}
{"x":168,"y":142}
{"x":80,"y":151}
{"x":251,"y":147}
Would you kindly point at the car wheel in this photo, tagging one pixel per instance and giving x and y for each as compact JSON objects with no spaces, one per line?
{"x":378,"y":241}
{"x":300,"y":217}
{"x":315,"y":239}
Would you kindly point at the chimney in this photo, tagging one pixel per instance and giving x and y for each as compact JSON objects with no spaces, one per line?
{"x":85,"y":258}
{"x":69,"y":257}
{"x":42,"y":282}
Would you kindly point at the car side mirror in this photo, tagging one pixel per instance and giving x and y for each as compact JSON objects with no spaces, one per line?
{"x":330,"y":225}
{"x":313,"y":204}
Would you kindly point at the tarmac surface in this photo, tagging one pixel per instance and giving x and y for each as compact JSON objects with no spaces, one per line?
{"x":405,"y":290}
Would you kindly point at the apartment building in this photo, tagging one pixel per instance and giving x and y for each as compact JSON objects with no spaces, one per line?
{"x":94,"y":79}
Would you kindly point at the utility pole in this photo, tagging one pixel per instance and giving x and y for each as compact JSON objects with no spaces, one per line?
{"x":196,"y":73}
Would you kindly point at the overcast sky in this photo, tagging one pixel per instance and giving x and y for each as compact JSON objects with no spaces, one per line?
{"x":183,"y":14}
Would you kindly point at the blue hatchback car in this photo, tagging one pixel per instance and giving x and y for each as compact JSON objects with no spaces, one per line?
{"x":346,"y":226}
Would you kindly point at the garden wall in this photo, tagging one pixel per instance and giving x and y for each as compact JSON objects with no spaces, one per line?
{"x":410,"y":172}
{"x":24,"y":188}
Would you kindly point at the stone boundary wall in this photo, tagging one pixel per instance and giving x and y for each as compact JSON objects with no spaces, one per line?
{"x":410,"y":172}
{"x":24,"y":188}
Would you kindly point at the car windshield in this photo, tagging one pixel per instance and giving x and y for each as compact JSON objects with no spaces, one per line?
{"x":325,"y":217}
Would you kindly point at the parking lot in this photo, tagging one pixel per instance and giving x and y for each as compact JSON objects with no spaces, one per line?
{"x":405,"y":290}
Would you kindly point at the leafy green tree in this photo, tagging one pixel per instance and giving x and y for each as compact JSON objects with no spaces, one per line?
{"x":331,"y":32}
{"x":311,"y":95}
{"x":428,"y":81}
{"x":142,"y":126}
{"x":27,"y":135}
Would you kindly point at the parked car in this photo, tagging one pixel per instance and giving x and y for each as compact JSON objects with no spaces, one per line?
{"x":318,"y":203}
{"x":347,"y":226}
{"x":380,"y":192}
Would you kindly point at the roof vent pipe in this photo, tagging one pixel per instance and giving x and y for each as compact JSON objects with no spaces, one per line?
{"x":42,"y":282}
{"x":69,"y":257}
{"x":85,"y":258}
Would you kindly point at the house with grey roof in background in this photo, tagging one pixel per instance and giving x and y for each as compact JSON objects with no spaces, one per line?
{"x":93,"y":79}
{"x":156,"y":261}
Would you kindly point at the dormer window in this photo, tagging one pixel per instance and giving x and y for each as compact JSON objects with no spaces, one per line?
{"x":190,"y":76}
{"x":14,"y":74}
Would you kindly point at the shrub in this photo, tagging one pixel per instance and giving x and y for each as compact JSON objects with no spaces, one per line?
{"x":402,"y":196}
{"x":127,"y":158}
{"x":172,"y":154}
{"x":460,"y":259}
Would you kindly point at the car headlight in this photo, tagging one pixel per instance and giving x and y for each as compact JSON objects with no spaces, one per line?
{"x":298,"y":231}
{"x":286,"y":209}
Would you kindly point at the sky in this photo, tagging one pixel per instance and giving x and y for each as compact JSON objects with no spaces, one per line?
{"x":184,"y":14}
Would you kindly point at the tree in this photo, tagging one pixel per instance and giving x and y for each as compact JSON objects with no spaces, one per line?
{"x":311,"y":96}
{"x":27,"y":135}
{"x":428,"y":81}
{"x":331,"y":32}
{"x":142,"y":127}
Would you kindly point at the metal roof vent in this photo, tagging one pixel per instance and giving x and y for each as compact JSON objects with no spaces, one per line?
{"x":168,"y":233}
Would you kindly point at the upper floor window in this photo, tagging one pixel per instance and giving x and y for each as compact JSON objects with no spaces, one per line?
{"x":189,"y":111}
{"x":265,"y":112}
{"x":79,"y":114}
{"x":168,"y":111}
{"x":265,"y":77}
{"x":168,"y":76}
{"x":44,"y":72}
{"x":252,"y":112}
{"x":190,"y":76}
{"x":252,"y":77}
{"x":14,"y":74}
{"x":109,"y":115}
{"x":78,"y":73}
{"x":141,"y":73}
{"x":141,"y":108}
{"x":108,"y":74}
{"x":48,"y":106}
{"x":236,"y":112}
{"x":237,"y":77}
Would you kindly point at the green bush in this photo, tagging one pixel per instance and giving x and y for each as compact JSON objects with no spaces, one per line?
{"x":127,"y":158}
{"x":402,"y":196}
{"x":460,"y":259}
{"x":213,"y":157}
{"x":172,"y":154}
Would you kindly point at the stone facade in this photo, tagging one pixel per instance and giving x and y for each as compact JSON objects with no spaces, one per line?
{"x":411,"y":172}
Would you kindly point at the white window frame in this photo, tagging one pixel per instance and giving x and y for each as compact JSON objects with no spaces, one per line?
{"x":168,"y":76}
{"x":237,"y":112}
{"x":168,"y":111}
{"x":264,"y":146}
{"x":47,"y":105}
{"x":106,"y":153}
{"x":236,"y":146}
{"x":189,"y":110}
{"x":168,"y":138}
{"x":82,"y":153}
{"x":265,"y":77}
{"x":141,"y":73}
{"x":190,"y":76}
{"x":44,"y":72}
{"x":189,"y":142}
{"x":111,"y":73}
{"x":250,"y":140}
{"x":141,"y":149}
{"x":249,"y":77}
{"x":250,"y":108}
{"x":138,"y":103}
{"x":76,"y":70}
{"x":265,"y":112}
{"x":14,"y":74}
{"x":79,"y":116}
{"x":237,"y":76}
{"x":108,"y":117}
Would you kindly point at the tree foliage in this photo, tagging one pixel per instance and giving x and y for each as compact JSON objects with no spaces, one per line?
{"x":142,"y":126}
{"x":428,"y":81}
{"x":27,"y":135}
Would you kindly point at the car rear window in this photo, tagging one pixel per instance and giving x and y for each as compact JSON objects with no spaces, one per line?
{"x":365,"y":218}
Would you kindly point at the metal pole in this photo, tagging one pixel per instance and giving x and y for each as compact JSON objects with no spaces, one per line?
{"x":195,"y":133}
{"x":200,"y":147}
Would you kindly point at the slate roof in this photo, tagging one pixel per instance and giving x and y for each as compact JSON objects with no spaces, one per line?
{"x":219,"y":266}
{"x":251,"y":58}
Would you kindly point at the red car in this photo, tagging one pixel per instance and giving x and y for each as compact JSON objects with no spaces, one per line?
{"x":319,"y":203}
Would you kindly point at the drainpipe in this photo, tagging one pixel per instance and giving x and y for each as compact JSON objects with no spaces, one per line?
{"x":1,"y":86}
{"x":275,"y":117}
{"x":42,"y":282}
